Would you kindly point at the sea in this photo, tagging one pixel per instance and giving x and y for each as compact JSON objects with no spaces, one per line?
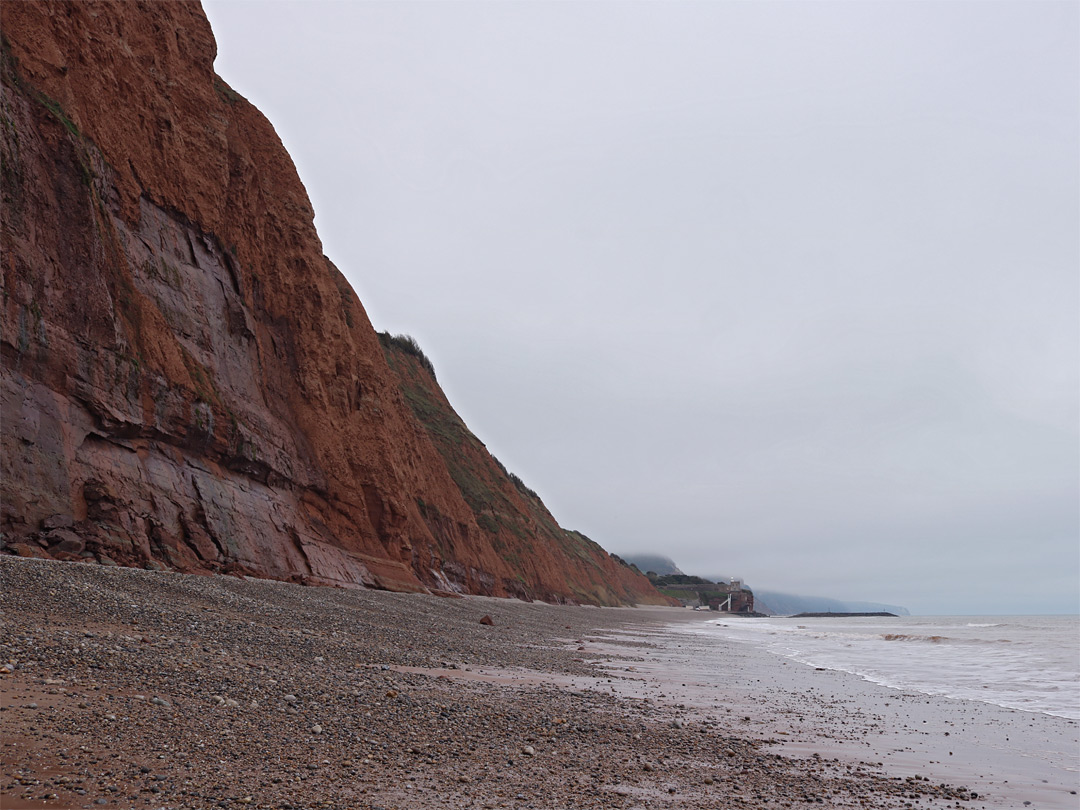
{"x":1029,"y":663}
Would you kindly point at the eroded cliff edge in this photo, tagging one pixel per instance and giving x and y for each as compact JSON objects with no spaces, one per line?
{"x":187,"y":381}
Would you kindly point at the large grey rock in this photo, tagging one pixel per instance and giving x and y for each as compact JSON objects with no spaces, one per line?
{"x":57,"y":522}
{"x":64,"y":540}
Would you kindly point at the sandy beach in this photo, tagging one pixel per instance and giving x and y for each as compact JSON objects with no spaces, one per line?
{"x":140,"y":689}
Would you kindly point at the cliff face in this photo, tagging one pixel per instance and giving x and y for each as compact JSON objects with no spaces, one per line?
{"x":187,"y":381}
{"x":546,"y":560}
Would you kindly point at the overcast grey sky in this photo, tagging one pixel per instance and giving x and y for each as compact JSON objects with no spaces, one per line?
{"x":787,"y":291}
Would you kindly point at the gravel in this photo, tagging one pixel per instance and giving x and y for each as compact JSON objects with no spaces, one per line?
{"x":170,"y":691}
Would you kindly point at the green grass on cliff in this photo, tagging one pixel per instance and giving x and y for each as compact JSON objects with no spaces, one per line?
{"x":482,"y":480}
{"x":515,"y":525}
{"x":460,"y":449}
{"x":407,"y":344}
{"x":226,"y":93}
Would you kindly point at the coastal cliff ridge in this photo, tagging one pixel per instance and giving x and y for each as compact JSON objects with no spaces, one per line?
{"x":188,"y":382}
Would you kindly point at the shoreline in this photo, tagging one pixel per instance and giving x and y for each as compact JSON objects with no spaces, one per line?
{"x":161,"y":690}
{"x":1008,"y":756}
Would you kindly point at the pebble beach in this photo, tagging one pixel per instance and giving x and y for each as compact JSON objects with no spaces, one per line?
{"x":136,"y":689}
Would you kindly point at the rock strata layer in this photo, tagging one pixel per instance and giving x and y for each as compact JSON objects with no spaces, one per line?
{"x":188,"y":382}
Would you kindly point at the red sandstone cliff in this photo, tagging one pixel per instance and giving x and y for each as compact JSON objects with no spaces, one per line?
{"x":187,"y":381}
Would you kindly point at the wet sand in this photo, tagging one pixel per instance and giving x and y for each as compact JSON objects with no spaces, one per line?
{"x":148,"y":689}
{"x":1011,"y":758}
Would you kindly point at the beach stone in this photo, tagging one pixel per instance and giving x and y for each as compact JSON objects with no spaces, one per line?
{"x":487,"y":620}
{"x":63,"y":540}
{"x":316,"y":729}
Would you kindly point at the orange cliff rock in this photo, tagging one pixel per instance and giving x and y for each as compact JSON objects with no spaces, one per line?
{"x":187,"y":381}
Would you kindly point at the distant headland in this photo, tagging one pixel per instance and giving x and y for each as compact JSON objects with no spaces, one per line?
{"x":833,"y":615}
{"x":665,"y":573}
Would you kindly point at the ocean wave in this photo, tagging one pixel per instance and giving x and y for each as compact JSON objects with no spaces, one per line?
{"x":913,"y":637}
{"x":1024,"y":663}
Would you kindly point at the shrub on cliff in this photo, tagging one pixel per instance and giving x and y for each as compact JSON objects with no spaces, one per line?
{"x":661,"y":581}
{"x":407,"y":344}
